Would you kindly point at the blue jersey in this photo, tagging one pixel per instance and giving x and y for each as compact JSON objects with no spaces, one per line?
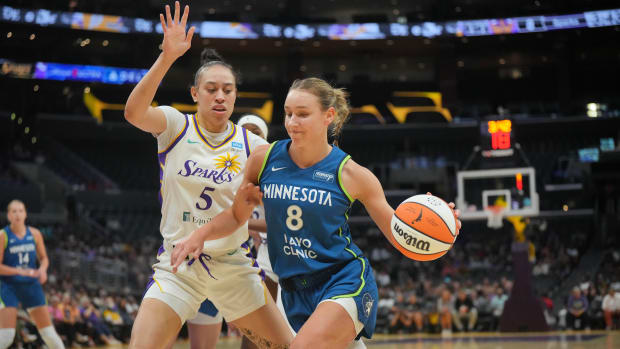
{"x":19,"y":253}
{"x":306,"y":212}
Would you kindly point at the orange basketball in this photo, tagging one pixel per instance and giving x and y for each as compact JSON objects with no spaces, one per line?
{"x":423,"y":227}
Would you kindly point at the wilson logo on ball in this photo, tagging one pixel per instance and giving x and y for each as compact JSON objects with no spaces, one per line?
{"x":423,"y":227}
{"x":412,"y":240}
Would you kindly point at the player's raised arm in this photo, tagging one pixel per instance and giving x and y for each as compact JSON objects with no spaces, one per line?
{"x":177,"y":41}
{"x":225,"y":223}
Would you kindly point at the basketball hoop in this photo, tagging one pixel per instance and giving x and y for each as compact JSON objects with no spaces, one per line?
{"x":495,"y":216}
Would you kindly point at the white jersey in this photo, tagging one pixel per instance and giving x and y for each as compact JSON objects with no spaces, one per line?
{"x":262,"y":255}
{"x":200,"y":173}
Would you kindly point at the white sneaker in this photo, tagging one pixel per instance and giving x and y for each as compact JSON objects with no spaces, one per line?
{"x":446,"y":332}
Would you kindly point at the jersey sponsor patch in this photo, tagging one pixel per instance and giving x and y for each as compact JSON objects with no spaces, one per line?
{"x":188,"y":217}
{"x":323,"y":176}
{"x":237,"y":145}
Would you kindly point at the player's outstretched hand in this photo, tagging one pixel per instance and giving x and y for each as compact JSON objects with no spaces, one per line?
{"x":190,"y":246}
{"x":176,"y":40}
{"x":456,"y":213}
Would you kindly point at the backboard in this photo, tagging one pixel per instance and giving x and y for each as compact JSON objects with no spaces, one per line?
{"x":512,"y":188}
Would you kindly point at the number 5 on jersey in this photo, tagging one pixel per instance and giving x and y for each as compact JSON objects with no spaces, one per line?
{"x":207,"y":199}
{"x":294,"y":221}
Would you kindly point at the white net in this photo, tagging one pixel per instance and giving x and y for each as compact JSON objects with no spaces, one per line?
{"x":495,"y":216}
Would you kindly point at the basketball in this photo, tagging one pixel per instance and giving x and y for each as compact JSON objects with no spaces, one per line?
{"x":423,"y":227}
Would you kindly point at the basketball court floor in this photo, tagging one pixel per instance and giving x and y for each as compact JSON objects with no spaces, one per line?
{"x":552,"y":340}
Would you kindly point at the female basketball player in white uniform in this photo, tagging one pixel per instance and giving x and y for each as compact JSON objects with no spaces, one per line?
{"x":329,"y":292}
{"x":202,"y":159}
{"x":20,"y":278}
{"x":204,"y":329}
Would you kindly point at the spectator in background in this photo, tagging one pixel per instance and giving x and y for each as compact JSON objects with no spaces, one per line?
{"x":464,"y":309}
{"x":611,"y":308}
{"x":413,"y":313}
{"x":124,"y":310}
{"x":596,"y":318}
{"x":113,"y":319}
{"x":497,"y":306}
{"x":577,"y":317}
{"x":482,"y":303}
{"x":383,"y":278}
{"x":547,"y":304}
{"x":398,"y":315}
{"x":70,"y":318}
{"x":445,"y":307}
{"x":93,"y":319}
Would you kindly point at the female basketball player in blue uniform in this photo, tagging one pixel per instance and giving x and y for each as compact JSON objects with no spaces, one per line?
{"x":202,"y":160}
{"x":329,"y":292}
{"x":20,"y":279}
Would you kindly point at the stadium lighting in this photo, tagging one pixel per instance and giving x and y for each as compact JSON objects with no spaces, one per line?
{"x":593,"y":110}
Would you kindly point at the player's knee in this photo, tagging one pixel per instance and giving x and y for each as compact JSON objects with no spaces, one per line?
{"x":6,"y":337}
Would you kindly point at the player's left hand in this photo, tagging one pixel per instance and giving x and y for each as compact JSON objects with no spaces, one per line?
{"x":456,"y":213}
{"x":42,"y":276}
{"x":190,"y":246}
{"x":176,"y":40}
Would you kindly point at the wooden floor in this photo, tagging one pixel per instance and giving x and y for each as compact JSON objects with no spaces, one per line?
{"x":553,"y":340}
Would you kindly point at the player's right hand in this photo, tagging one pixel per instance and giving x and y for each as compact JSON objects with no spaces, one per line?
{"x":32,"y":273}
{"x":190,"y":246}
{"x":248,"y":196}
{"x":176,"y":40}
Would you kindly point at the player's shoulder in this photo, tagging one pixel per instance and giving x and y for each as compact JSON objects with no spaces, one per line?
{"x":357,"y":180}
{"x":35,"y":232}
{"x":170,"y":111}
{"x":355,"y":170}
{"x":260,"y":151}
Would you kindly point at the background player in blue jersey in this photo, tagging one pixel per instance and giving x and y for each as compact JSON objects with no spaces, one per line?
{"x":202,"y":160}
{"x":329,"y":292}
{"x":21,"y":247}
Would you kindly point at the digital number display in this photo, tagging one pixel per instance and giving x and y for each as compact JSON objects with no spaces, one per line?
{"x":500,"y":133}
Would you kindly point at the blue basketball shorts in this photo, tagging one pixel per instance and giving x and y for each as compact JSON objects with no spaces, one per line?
{"x":355,"y":280}
{"x":29,"y":294}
